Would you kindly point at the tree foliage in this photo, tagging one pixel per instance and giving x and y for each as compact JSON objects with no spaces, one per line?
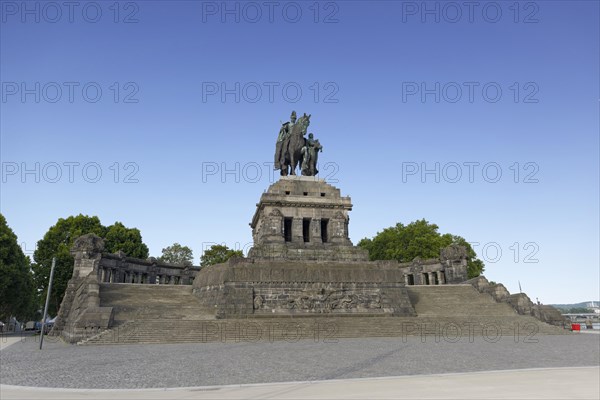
{"x":218,"y":254}
{"x":177,"y":254}
{"x":17,"y":293}
{"x":577,"y":310}
{"x":417,"y":239}
{"x":127,"y":240}
{"x":57,"y":243}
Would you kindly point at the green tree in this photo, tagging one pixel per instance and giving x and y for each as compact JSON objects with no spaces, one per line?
{"x":177,"y":254}
{"x":57,"y":243}
{"x":417,"y":239}
{"x":17,"y":292}
{"x":128,"y":240}
{"x":218,"y":254}
{"x":578,"y":310}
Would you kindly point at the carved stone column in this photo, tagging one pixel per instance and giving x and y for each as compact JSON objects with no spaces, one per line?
{"x":440,"y":275}
{"x":315,"y":231}
{"x":339,"y":229}
{"x":297,"y":236}
{"x":272,"y":229}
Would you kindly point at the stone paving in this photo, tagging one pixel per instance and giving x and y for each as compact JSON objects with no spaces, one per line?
{"x":185,"y":365}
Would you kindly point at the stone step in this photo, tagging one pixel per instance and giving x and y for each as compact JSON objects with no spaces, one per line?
{"x":141,"y":302}
{"x":172,"y":314}
{"x":458,"y":300}
{"x":244,"y":330}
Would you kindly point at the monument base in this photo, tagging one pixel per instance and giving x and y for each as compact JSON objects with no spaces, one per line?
{"x":252,"y":288}
{"x":301,"y":252}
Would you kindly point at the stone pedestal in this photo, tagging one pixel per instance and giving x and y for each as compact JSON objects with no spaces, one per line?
{"x":254,"y":288}
{"x":303,"y":218}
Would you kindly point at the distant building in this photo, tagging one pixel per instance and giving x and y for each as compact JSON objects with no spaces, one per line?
{"x":593,"y":306}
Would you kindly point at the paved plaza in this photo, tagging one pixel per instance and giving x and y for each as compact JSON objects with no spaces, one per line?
{"x":60,"y":365}
{"x":551,"y":383}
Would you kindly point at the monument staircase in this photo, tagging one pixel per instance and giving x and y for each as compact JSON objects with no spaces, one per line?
{"x":149,"y":313}
{"x":172,"y":314}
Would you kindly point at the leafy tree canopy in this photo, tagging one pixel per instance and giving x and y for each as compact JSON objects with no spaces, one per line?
{"x":177,"y":254}
{"x":128,"y":240}
{"x":577,"y":310}
{"x":57,"y":243}
{"x":218,"y":254}
{"x":17,"y":293}
{"x":417,"y":239}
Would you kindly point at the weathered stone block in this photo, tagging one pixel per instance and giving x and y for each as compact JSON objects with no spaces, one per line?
{"x":521,"y":303}
{"x":297,"y":288}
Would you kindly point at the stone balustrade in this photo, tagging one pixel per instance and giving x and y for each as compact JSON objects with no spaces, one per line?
{"x":118,"y":268}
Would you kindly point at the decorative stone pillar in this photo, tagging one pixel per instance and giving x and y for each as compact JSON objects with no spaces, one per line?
{"x":338,"y":229}
{"x":454,"y":258}
{"x":151,"y":272}
{"x":297,"y":236}
{"x":87,"y":251}
{"x":80,"y":308}
{"x":440,"y":275}
{"x":272,"y":228}
{"x":315,"y":231}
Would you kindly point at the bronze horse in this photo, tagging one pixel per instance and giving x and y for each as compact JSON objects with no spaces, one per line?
{"x":292,"y":146}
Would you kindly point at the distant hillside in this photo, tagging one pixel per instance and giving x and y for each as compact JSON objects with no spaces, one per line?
{"x":583,"y":304}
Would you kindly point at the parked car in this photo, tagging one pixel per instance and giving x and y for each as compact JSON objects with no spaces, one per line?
{"x":47,"y":326}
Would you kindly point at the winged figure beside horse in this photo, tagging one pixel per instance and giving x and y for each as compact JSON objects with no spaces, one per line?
{"x":293,"y":150}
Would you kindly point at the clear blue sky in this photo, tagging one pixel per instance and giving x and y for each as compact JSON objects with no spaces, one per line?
{"x":393,"y":88}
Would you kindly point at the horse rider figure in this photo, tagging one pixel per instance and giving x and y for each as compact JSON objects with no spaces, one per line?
{"x":284,"y":133}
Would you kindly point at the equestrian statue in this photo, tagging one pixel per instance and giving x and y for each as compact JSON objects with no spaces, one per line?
{"x":293,"y":150}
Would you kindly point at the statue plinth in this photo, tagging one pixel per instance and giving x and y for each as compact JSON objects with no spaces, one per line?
{"x":303,"y":218}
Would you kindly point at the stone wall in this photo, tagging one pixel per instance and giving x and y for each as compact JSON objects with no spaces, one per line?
{"x":301,"y":252}
{"x":254,"y":287}
{"x":519,"y":301}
